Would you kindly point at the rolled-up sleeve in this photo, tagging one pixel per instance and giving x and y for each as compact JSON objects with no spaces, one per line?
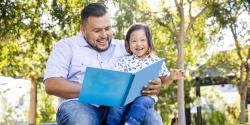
{"x":164,"y":70}
{"x":59,"y":61}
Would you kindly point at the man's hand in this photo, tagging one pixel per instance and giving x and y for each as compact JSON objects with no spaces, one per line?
{"x":153,"y":88}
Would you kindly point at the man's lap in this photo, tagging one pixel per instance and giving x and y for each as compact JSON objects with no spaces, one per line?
{"x":75,"y":113}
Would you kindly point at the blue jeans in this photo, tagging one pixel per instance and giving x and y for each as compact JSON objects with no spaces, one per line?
{"x":75,"y":113}
{"x":139,"y":112}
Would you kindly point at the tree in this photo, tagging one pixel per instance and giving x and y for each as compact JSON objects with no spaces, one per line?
{"x":166,"y":26}
{"x":229,"y":15}
{"x":28,"y":30}
{"x":20,"y":31}
{"x":23,"y":31}
{"x":179,"y":28}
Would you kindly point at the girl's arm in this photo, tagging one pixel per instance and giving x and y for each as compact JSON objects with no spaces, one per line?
{"x":166,"y":79}
{"x":174,"y":75}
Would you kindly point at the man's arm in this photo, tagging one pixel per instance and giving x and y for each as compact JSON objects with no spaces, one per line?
{"x":61,"y":87}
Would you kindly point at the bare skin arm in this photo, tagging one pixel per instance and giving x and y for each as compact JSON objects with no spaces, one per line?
{"x":62,"y":88}
{"x":174,"y":75}
{"x":166,"y":79}
{"x":154,"y":87}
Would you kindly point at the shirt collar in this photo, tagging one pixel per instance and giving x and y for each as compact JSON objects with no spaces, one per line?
{"x":81,"y":41}
{"x":136,"y":57}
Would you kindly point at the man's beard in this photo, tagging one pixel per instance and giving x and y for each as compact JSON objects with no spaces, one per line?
{"x":96,"y":48}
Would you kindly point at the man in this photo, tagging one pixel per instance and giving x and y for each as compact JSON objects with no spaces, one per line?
{"x":67,"y":63}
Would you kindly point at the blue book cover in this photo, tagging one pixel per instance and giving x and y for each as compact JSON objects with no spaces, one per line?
{"x":115,"y":88}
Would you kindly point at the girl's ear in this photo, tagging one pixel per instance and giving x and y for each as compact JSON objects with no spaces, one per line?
{"x":149,"y":51}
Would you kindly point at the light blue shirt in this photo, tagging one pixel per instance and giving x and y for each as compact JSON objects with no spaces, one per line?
{"x":70,"y":57}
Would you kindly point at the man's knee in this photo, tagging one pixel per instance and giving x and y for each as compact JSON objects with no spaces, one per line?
{"x":74,"y":113}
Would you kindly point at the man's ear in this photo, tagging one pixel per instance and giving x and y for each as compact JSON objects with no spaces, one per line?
{"x":82,"y":28}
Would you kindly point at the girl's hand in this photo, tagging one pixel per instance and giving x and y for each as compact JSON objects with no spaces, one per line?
{"x":178,"y":74}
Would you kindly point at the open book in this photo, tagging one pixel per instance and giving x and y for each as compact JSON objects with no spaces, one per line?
{"x":115,"y":88}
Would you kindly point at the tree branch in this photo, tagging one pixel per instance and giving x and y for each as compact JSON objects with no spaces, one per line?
{"x":168,"y":27}
{"x":174,"y":26}
{"x":236,"y":41}
{"x":192,"y":19}
{"x":248,"y":56}
{"x":189,"y":9}
{"x":247,"y":66}
{"x":179,"y":7}
{"x":181,"y":2}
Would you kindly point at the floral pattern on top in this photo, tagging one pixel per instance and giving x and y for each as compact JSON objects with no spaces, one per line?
{"x":133,"y":64}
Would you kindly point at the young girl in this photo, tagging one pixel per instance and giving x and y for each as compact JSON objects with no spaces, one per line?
{"x":140,"y":47}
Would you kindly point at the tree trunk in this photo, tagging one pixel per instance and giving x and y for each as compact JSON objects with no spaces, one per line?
{"x":180,"y":33}
{"x":33,"y":101}
{"x":243,"y":94}
{"x":180,"y":61}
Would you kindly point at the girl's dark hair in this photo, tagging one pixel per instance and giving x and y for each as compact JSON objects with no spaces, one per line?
{"x":93,"y":9}
{"x":148,"y":35}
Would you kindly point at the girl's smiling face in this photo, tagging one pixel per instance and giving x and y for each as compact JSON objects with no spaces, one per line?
{"x":139,"y":43}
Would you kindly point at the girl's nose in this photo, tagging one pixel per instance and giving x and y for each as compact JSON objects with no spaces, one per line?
{"x":138,"y":42}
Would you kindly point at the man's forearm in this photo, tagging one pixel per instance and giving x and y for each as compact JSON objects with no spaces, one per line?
{"x":62,"y":88}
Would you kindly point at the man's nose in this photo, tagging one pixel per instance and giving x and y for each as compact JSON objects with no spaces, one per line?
{"x":103,"y":34}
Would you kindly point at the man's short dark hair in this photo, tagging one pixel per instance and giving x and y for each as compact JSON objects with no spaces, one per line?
{"x":93,"y":9}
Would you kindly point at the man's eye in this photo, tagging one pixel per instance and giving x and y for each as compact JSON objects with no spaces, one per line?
{"x":107,"y":29}
{"x":97,"y":31}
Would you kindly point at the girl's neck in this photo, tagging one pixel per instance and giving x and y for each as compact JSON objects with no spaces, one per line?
{"x":143,"y":57}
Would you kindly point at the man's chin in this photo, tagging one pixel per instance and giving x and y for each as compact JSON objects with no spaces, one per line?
{"x":102,"y":49}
